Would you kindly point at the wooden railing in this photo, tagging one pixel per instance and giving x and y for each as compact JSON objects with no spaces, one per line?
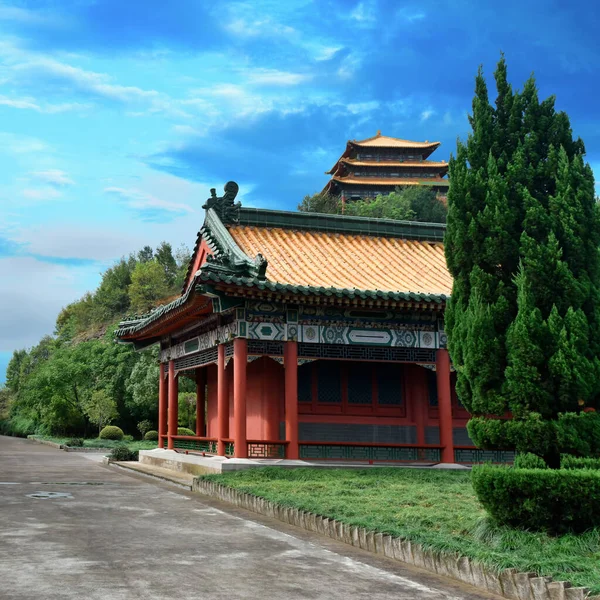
{"x":195,"y":443}
{"x":267,"y":448}
{"x":368,"y":451}
{"x":471,"y":454}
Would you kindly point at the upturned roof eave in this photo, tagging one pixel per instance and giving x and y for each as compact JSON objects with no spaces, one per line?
{"x":310,"y":290}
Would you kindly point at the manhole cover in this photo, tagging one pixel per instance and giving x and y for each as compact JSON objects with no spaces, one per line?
{"x":49,"y":495}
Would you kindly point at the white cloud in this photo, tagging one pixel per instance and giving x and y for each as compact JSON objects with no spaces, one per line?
{"x":427,"y":114}
{"x":258,"y":27}
{"x":275,"y":77}
{"x":22,"y":15}
{"x":28,"y":103}
{"x":140,"y":200}
{"x":348,"y":66}
{"x":364,"y":14}
{"x":43,"y":193}
{"x":187,"y":130}
{"x":325,"y":52}
{"x":63,"y":241}
{"x":15,"y":144}
{"x":88,"y":81}
{"x":54,"y":177}
{"x":363,"y":107}
{"x":23,"y":318}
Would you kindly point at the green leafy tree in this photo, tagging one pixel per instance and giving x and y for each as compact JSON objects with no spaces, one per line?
{"x":425,"y":204}
{"x":182,"y":258}
{"x":322,"y":202}
{"x":101,"y":408}
{"x":142,"y":386}
{"x":416,"y":203}
{"x":14,"y":370}
{"x":164,"y":257}
{"x":395,"y":205}
{"x":146,"y":254}
{"x":522,"y":246}
{"x":148,"y":285}
{"x":112,"y":294}
{"x":187,"y":410}
{"x":5,"y":401}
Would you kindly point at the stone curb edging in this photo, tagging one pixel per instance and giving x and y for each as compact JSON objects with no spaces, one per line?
{"x":508,"y":583}
{"x":44,"y":442}
{"x":65,"y":447}
{"x":91,"y":450}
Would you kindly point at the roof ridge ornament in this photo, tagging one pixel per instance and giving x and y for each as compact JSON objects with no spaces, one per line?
{"x":225,"y":206}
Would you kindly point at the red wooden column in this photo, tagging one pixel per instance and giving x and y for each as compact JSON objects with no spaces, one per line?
{"x":173,"y":403}
{"x":291,"y":399}
{"x":442,"y":371}
{"x":200,"y":401}
{"x":163,"y":403}
{"x":222,"y":401}
{"x":240,"y":362}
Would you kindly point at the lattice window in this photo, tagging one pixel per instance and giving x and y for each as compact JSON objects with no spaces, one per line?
{"x":389,"y":385}
{"x":329,"y":382}
{"x":305,"y":383}
{"x":432,"y":388}
{"x":196,"y":360}
{"x":351,"y":352}
{"x":360,"y":383}
{"x":265,"y":348}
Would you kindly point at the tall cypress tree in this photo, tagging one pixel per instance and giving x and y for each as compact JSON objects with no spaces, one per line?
{"x":522,"y":245}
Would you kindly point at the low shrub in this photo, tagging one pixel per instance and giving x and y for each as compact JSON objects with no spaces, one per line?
{"x":569,"y":433}
{"x":185,"y":431}
{"x":144,"y":427}
{"x":111,"y":432}
{"x":575,"y":462}
{"x":151,"y":436}
{"x":128,"y":438}
{"x":528,"y":460}
{"x":552,"y":500}
{"x":123,"y":453}
{"x":75,"y":443}
{"x":579,"y":434}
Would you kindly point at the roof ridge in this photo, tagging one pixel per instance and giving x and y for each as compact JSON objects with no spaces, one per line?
{"x":261,"y":217}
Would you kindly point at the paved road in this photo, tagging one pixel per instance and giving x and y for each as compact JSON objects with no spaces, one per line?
{"x":115,"y":536}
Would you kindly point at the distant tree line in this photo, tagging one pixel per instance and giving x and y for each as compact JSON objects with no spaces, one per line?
{"x":79,"y":379}
{"x":416,"y":203}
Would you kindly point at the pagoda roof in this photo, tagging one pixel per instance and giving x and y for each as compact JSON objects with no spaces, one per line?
{"x":391,"y":181}
{"x":331,"y":258}
{"x":394,"y":163}
{"x":384,"y":164}
{"x":385,"y":141}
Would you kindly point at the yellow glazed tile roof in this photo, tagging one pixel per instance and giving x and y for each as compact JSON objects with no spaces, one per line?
{"x":396,"y":163}
{"x":392,"y":181}
{"x":384,"y":141}
{"x":363,"y":262}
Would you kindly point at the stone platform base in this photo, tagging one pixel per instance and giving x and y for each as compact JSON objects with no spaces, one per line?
{"x":196,"y":464}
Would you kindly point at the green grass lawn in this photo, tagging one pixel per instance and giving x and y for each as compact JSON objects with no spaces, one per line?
{"x":98,"y":443}
{"x":435,"y":508}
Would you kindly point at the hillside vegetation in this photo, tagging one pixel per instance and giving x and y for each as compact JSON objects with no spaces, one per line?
{"x":78,"y":378}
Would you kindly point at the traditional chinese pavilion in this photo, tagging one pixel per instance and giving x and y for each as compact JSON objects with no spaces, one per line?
{"x":310,"y":336}
{"x":381,"y":163}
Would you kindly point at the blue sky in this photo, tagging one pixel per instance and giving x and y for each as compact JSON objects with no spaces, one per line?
{"x":117,"y":117}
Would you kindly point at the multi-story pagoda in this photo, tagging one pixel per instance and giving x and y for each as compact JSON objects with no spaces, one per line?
{"x":309,"y":336}
{"x":381,"y":163}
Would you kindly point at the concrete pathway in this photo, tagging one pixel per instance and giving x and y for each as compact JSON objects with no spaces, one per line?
{"x":72,"y":528}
